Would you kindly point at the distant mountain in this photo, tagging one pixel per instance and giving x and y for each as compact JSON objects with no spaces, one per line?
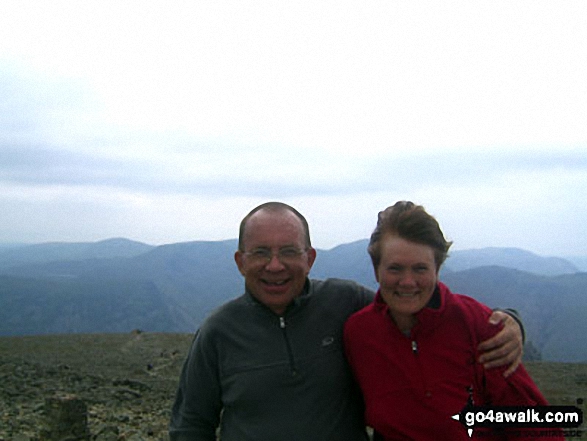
{"x":352,"y":261}
{"x":509,"y":258}
{"x":70,"y":305}
{"x":554,"y":309}
{"x":348,"y":261}
{"x":579,"y":261}
{"x":191,"y":277}
{"x":119,"y":285}
{"x":60,"y":251}
{"x":7,"y":245}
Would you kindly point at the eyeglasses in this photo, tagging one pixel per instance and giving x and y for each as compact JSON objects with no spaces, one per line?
{"x":264,"y":255}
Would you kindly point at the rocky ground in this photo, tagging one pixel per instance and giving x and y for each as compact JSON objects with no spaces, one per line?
{"x":128,"y":382}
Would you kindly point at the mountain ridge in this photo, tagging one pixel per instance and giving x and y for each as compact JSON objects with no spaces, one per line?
{"x":173,"y":287}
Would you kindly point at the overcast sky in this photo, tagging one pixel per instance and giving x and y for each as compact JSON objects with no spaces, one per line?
{"x":168,"y":121}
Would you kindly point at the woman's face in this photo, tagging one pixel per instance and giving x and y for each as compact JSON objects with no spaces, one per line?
{"x":407,"y":277}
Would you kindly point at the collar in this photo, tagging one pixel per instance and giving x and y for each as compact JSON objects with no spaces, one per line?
{"x":299,"y":301}
{"x":429,"y":316}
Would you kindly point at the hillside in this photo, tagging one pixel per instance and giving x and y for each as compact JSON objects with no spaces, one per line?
{"x":172,"y":288}
{"x":183,"y":282}
{"x":509,"y":258}
{"x":128,"y":381}
{"x":554,"y":309}
{"x":84,"y":305}
{"x":60,"y":251}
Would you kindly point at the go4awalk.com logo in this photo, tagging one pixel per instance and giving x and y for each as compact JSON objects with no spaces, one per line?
{"x":521,"y":417}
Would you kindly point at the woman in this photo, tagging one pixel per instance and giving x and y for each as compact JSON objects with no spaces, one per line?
{"x":413,"y":350}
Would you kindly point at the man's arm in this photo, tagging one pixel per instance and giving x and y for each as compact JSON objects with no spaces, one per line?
{"x":506,"y":347}
{"x":196,"y":412}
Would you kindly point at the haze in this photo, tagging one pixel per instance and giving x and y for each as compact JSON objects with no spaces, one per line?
{"x":168,"y":121}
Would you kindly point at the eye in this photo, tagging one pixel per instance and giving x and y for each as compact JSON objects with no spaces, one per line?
{"x":289,"y":252}
{"x":421,"y":268}
{"x":394,"y":268}
{"x":260,"y":253}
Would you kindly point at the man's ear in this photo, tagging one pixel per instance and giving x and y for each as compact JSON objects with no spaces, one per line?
{"x":311,"y":257}
{"x":238,"y":258}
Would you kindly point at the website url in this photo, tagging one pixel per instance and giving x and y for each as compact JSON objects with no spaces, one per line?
{"x":521,"y":417}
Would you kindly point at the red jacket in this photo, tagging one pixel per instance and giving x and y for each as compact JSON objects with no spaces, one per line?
{"x":413,"y":384}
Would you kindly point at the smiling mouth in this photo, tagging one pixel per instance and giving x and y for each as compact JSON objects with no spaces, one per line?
{"x":406,"y":294}
{"x":275,"y":282}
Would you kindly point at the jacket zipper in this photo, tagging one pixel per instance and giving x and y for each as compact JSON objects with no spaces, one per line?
{"x":423,"y":380}
{"x":292,"y":364}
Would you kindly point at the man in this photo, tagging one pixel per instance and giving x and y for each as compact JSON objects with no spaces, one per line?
{"x":269,"y":365}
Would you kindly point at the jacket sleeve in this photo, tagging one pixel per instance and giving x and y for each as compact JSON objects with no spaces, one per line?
{"x":516,"y":316}
{"x":196,"y":411}
{"x":364,"y":297}
{"x":516,"y":390}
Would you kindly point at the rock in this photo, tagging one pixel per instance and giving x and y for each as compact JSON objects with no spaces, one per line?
{"x":134,"y":436}
{"x":107,"y":433}
{"x":132,"y":384}
{"x":66,"y":418}
{"x":126,"y":394}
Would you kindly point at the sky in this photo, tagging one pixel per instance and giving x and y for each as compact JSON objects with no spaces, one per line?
{"x":167,"y":122}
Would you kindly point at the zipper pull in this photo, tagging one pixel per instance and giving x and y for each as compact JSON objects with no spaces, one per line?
{"x":414,"y":347}
{"x":282,"y":322}
{"x":470,"y":401}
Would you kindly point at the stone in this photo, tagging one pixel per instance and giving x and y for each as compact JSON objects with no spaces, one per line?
{"x":107,"y":433}
{"x":66,"y":418}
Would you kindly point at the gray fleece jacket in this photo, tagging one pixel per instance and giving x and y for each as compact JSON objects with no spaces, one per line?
{"x":260,"y":376}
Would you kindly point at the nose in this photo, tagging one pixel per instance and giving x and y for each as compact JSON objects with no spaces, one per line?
{"x":274,"y":263}
{"x":407,"y":279}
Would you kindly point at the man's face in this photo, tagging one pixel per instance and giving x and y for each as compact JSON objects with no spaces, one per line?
{"x":275,"y":281}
